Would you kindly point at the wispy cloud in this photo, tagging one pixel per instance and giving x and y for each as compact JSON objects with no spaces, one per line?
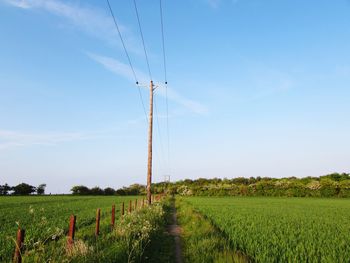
{"x":269,"y":81}
{"x":216,"y":3}
{"x":98,"y":23}
{"x":9,"y":139}
{"x":94,"y":21}
{"x":18,"y":3}
{"x":123,"y":70}
{"x":117,"y":67}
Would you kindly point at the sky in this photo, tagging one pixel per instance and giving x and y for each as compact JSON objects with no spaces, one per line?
{"x":255,"y":88}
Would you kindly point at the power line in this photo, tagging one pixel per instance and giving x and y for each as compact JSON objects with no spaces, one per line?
{"x":165,"y":77}
{"x":143,"y":41}
{"x":128,"y":57}
{"x":167,"y":122}
{"x":121,"y":39}
{"x":158,"y":128}
{"x":163,"y":45}
{"x":149,"y":166}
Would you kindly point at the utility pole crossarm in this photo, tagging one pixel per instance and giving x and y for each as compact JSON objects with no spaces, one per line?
{"x":155,"y":86}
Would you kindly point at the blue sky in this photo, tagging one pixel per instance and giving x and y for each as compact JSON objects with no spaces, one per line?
{"x":256,"y":88}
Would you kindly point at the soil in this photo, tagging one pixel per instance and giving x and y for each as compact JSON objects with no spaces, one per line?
{"x":175,"y":230}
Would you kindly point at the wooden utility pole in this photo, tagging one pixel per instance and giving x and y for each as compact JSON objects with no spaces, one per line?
{"x":150,"y":133}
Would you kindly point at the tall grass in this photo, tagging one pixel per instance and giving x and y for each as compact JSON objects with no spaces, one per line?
{"x":127,"y":242}
{"x":46,"y":218}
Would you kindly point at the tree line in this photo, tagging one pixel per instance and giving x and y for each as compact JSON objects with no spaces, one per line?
{"x":134,"y":189}
{"x":22,"y":189}
{"x":331,"y":185}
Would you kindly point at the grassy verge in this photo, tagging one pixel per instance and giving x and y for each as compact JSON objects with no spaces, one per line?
{"x":46,"y":218}
{"x":162,"y":247}
{"x":202,"y":242}
{"x":135,"y":238}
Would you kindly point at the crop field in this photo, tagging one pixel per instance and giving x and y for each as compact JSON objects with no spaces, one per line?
{"x":282,"y":229}
{"x":242,"y":229}
{"x":46,"y":218}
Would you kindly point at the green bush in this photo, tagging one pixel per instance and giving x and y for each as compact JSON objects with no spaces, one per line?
{"x":333,"y":185}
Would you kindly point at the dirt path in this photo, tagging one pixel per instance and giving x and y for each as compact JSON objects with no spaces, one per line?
{"x":175,"y":231}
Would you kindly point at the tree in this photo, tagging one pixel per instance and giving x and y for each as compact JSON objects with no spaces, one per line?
{"x":109,"y":191}
{"x":5,"y":189}
{"x":40,"y":190}
{"x":136,"y":189}
{"x":23,"y":189}
{"x":120,"y":191}
{"x":96,"y":191}
{"x":80,"y":190}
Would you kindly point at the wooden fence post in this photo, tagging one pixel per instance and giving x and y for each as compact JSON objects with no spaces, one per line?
{"x":136,"y":204}
{"x":19,"y":245}
{"x":71,"y":231}
{"x":143,"y":202}
{"x":130,"y":207}
{"x":98,"y":215}
{"x":113,"y":217}
{"x":123,"y":209}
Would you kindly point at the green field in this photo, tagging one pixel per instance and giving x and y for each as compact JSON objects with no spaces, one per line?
{"x":282,"y":229}
{"x":259,"y":229}
{"x":46,"y":218}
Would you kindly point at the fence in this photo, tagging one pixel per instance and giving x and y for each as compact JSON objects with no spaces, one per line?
{"x":72,"y":225}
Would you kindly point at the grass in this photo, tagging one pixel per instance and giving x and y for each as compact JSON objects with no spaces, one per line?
{"x":162,"y":247}
{"x":46,"y":219}
{"x":282,"y":229}
{"x":202,"y":242}
{"x":214,"y":229}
